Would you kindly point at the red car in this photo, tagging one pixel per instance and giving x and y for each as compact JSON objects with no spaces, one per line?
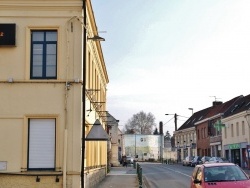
{"x":219,"y":175}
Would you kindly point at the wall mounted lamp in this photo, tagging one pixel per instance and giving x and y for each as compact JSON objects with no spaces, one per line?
{"x":96,"y":38}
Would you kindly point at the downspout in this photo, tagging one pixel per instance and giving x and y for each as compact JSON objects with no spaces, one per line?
{"x":67,"y":87}
{"x":83,"y":88}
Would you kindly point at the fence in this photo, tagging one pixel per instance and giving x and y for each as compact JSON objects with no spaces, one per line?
{"x":139,"y":173}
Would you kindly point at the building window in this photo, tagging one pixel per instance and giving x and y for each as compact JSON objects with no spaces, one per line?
{"x":225,"y":132}
{"x":41,"y":145}
{"x":232,"y":130}
{"x":43,"y":54}
{"x":243,"y":128}
{"x":237,"y":129}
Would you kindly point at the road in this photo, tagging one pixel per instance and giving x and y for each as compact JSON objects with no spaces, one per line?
{"x":168,"y":176}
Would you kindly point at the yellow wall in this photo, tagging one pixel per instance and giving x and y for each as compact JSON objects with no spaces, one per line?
{"x":26,"y":98}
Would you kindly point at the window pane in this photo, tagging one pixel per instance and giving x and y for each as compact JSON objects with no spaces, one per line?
{"x":51,"y":60}
{"x":38,"y":36}
{"x":51,"y":36}
{"x":37,"y":68}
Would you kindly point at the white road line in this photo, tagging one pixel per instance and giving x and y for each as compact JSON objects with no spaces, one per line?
{"x":178,"y":172}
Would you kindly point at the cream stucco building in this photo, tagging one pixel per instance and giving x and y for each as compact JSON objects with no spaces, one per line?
{"x":42,"y":53}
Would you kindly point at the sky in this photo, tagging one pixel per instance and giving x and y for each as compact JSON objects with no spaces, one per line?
{"x":165,"y":56}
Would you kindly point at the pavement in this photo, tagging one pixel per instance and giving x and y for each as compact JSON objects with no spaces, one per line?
{"x":120,"y":177}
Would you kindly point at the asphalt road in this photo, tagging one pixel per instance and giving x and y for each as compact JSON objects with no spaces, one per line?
{"x":167,"y":176}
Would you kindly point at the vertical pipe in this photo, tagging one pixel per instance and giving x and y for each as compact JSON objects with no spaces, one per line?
{"x":65,"y":157}
{"x":135,"y":144}
{"x":83,"y":89}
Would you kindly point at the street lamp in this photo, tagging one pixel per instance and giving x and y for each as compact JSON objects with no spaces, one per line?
{"x":96,"y":38}
{"x":135,"y":144}
{"x":192,"y":110}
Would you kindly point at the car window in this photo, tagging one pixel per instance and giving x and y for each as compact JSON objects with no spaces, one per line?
{"x":224,"y":173}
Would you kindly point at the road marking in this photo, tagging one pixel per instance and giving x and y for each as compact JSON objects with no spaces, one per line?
{"x":178,"y":172}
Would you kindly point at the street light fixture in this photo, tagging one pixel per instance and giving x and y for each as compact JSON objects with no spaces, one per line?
{"x":192,"y":110}
{"x":96,"y":38}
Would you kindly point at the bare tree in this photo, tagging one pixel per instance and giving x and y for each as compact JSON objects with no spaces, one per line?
{"x":141,"y":123}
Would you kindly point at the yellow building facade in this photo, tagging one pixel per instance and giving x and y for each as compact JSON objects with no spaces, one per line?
{"x":41,"y":88}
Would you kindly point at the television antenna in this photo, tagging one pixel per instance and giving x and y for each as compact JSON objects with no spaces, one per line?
{"x":215,"y":98}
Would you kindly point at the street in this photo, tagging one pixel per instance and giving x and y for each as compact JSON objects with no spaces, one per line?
{"x":168,"y":176}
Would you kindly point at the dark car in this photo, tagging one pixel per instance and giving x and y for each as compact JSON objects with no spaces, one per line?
{"x":205,"y":159}
{"x":187,"y":161}
{"x":196,"y":161}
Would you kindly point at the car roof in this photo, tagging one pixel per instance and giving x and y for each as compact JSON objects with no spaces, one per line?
{"x":217,"y":164}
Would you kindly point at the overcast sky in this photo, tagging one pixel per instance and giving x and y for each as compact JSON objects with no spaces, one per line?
{"x":165,"y":56}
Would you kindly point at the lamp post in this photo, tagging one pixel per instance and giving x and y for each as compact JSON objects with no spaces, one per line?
{"x":135,"y":144}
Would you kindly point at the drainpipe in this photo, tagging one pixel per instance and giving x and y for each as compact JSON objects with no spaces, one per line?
{"x":67,"y":88}
{"x":83,"y":89}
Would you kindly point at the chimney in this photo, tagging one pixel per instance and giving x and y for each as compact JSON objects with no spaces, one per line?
{"x":216,"y":103}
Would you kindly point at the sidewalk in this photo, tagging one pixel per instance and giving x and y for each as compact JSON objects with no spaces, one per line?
{"x":122,"y":177}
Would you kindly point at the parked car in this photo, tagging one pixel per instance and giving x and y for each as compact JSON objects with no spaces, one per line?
{"x":225,"y":160}
{"x":196,"y":161}
{"x":205,"y":159}
{"x":215,"y":175}
{"x":215,"y":160}
{"x":129,"y":160}
{"x":187,"y":161}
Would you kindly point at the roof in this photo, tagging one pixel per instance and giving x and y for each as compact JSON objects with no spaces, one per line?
{"x":243,"y":104}
{"x":210,"y":113}
{"x":221,"y":108}
{"x":197,"y":116}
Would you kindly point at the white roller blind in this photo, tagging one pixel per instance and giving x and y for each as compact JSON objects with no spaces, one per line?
{"x":41,"y":144}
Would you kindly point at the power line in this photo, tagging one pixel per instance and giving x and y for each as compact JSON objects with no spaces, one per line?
{"x":168,"y":121}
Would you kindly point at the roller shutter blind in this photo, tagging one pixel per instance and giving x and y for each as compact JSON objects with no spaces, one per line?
{"x":41,"y":154}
